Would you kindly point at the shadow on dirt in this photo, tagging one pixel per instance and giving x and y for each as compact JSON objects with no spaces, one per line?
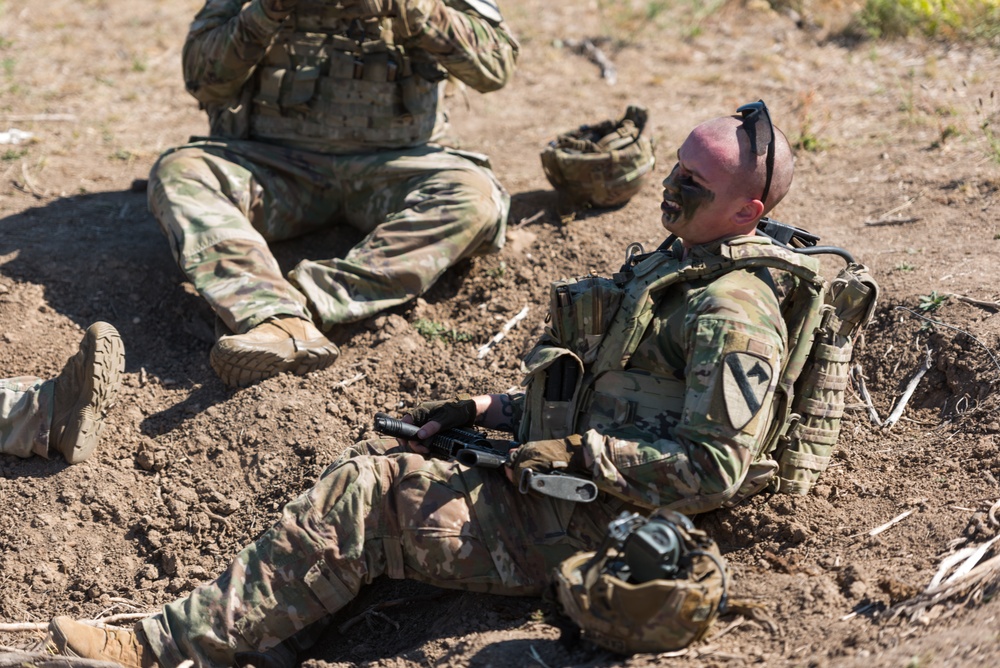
{"x":390,"y":618}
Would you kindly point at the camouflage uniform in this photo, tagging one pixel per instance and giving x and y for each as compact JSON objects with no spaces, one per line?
{"x":319,"y":119}
{"x":409,"y":517}
{"x":25,"y":416}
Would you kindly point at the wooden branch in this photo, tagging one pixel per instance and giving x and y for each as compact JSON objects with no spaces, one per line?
{"x":43,"y":660}
{"x":891,"y":523}
{"x":891,"y":221}
{"x":484,"y":350}
{"x":859,"y":378}
{"x":349,"y":381}
{"x":15,"y":627}
{"x":897,"y":412}
{"x":586,"y":47}
{"x":992,"y":306}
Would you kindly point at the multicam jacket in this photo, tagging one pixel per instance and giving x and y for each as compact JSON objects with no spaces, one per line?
{"x":323,"y":79}
{"x":682,"y":420}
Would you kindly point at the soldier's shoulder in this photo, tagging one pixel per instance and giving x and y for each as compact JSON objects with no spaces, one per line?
{"x":742,"y":291}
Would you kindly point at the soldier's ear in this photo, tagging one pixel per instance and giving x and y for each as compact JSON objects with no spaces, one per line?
{"x":746,"y":217}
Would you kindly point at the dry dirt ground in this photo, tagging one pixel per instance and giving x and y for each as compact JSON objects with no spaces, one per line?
{"x":900,"y":171}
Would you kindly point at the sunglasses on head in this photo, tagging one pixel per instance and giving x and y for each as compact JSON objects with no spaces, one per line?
{"x":760,"y":130}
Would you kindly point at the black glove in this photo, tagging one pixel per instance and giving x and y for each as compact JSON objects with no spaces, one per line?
{"x":449,"y":414}
{"x":556,"y":454}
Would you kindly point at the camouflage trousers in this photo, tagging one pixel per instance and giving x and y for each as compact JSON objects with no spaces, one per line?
{"x":397,"y":514}
{"x":25,"y":416}
{"x":422,"y":209}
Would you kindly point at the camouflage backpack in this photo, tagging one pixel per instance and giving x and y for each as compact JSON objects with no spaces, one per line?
{"x":601,"y":165}
{"x":655,"y":585}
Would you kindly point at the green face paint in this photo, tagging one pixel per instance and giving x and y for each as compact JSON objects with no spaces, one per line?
{"x":683,"y":196}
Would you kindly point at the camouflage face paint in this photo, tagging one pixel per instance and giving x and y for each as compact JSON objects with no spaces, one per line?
{"x":688,"y":196}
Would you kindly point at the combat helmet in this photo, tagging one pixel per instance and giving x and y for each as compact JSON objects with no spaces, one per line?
{"x":601,"y":165}
{"x":655,"y":585}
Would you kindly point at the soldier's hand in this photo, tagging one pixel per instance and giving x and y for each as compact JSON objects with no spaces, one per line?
{"x":556,"y":454}
{"x":436,"y":416}
{"x":278,"y":9}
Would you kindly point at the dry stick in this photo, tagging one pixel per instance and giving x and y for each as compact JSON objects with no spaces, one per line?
{"x":891,"y":221}
{"x":894,"y":521}
{"x":587,"y":48}
{"x":947,"y":326}
{"x":43,"y":660}
{"x":859,"y":378}
{"x":908,"y":392}
{"x":994,"y":306}
{"x":484,"y":350}
{"x":350,"y":381}
{"x":531,"y":219}
{"x":41,"y":626}
{"x":993,"y":514}
{"x":980,"y":575}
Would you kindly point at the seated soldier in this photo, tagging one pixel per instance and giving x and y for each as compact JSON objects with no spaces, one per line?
{"x":326,"y":114}
{"x":64,"y":415}
{"x":678,"y":425}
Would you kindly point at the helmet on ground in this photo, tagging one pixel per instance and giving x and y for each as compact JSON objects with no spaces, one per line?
{"x":656,"y":585}
{"x":601,"y":165}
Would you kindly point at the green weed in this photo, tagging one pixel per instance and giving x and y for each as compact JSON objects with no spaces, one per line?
{"x":432,"y":331}
{"x":905,"y":266}
{"x":986,"y":125}
{"x":497,"y":272}
{"x":932,"y":302}
{"x":970,"y":19}
{"x":13,"y":154}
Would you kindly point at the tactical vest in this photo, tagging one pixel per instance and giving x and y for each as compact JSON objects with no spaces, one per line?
{"x":578,"y":379}
{"x":335,"y":84}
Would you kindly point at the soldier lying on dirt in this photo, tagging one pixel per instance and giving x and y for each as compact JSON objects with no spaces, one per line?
{"x":675,"y":413}
{"x":327,"y":113}
{"x":64,"y":415}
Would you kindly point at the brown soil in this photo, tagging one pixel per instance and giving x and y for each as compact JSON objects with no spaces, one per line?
{"x":189,"y":472}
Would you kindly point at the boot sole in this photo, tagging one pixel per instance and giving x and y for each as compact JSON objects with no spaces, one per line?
{"x":240,"y":368}
{"x":106,"y":360}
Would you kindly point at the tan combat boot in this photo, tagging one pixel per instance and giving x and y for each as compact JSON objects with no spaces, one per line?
{"x":73,"y":638}
{"x":84,"y":390}
{"x":282,"y":344}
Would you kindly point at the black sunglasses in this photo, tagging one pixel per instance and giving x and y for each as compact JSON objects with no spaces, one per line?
{"x":758,"y":126}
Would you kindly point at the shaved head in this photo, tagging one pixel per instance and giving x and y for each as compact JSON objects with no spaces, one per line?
{"x":715,"y":189}
{"x":729,"y":143}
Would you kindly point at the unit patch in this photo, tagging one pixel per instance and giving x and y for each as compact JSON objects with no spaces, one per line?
{"x":745,"y":379}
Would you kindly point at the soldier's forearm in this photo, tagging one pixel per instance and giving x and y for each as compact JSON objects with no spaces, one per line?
{"x":223,"y":48}
{"x":478,"y":53}
{"x":498,"y":411}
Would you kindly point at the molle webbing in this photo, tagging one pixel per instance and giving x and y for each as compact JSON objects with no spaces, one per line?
{"x":804,"y":451}
{"x":636,"y":309}
{"x":330,"y":84}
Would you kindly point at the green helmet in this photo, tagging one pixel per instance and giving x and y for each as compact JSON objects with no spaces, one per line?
{"x":601,"y":165}
{"x":656,"y":585}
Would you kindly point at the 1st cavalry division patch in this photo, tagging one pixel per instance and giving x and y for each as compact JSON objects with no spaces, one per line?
{"x":745,"y":379}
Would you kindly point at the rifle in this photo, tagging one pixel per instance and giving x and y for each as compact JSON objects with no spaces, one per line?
{"x":471,"y":448}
